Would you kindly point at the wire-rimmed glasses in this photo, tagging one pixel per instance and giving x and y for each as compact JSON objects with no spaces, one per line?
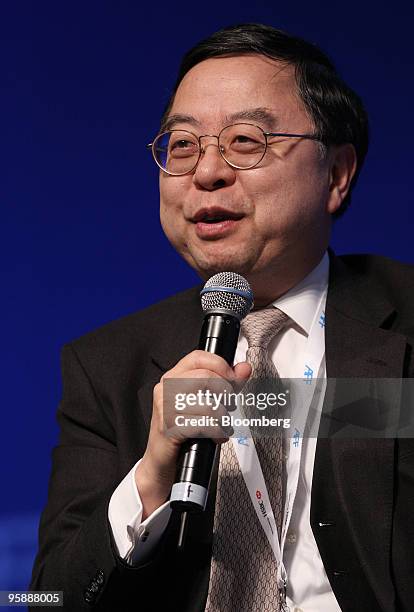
{"x":241,"y":145}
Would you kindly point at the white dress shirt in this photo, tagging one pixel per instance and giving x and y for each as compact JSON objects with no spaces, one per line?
{"x":308,"y":588}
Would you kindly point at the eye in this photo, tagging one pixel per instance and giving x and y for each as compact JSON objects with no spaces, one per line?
{"x":244,"y":139}
{"x":181,"y":147}
{"x":181,"y":144}
{"x":245,"y":143}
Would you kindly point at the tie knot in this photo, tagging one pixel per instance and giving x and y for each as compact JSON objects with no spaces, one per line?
{"x":261,"y":326}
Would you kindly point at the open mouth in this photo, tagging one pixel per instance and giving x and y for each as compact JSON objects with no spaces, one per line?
{"x":216,"y":216}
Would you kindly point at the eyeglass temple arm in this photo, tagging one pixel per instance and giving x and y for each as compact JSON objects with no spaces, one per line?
{"x":309,"y":136}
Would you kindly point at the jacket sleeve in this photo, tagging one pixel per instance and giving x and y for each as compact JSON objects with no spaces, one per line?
{"x":76,"y":553}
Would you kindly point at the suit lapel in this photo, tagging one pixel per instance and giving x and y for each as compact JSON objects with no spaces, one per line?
{"x":179,"y":336}
{"x":359,"y":470}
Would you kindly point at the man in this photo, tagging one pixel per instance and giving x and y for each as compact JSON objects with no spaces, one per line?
{"x":258,"y":150}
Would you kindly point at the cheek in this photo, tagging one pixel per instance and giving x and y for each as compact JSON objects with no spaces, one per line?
{"x":289,"y":202}
{"x":169,"y":202}
{"x":172,"y":222}
{"x":302,"y":184}
{"x":169,"y":220}
{"x":172,"y":189}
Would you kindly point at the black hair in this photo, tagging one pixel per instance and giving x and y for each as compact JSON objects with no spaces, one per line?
{"x":336,"y":110}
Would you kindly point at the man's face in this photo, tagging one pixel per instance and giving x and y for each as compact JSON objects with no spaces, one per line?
{"x":277,"y":212}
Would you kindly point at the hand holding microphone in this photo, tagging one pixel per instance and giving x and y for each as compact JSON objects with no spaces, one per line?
{"x":226,"y":299}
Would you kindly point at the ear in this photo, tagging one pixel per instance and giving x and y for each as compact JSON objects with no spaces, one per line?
{"x":342,"y":167}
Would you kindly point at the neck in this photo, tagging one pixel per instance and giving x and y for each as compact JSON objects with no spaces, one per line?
{"x":271,"y":284}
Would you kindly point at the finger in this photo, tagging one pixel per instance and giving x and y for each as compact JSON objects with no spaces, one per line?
{"x":203,"y":360}
{"x":183,"y":430}
{"x":184,"y":394}
{"x":242,"y":370}
{"x":200,"y":416}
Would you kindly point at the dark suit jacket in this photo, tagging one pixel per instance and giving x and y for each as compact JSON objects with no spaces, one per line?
{"x":362,"y":510}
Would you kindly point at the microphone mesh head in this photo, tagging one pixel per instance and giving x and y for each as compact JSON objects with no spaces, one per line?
{"x":227,"y":291}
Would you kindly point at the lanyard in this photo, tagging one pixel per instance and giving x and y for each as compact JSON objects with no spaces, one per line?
{"x":249,"y":460}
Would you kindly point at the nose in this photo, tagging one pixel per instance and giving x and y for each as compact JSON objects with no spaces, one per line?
{"x":212,"y":171}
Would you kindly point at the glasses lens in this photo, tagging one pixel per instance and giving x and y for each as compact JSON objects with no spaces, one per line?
{"x":176,"y":152}
{"x":242,"y":144}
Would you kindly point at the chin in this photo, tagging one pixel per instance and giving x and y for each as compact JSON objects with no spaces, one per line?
{"x":222,"y":258}
{"x":207,"y":268}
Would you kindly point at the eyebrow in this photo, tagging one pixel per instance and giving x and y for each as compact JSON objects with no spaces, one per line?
{"x":259,"y":115}
{"x":172,"y":120}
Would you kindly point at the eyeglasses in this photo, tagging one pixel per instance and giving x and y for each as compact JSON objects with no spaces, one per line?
{"x":242,"y":146}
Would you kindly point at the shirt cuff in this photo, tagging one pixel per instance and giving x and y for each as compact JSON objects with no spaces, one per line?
{"x":135,"y":540}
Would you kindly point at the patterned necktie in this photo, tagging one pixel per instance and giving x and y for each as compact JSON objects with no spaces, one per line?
{"x":243,"y":568}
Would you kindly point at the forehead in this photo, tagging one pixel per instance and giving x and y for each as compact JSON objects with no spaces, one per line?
{"x":220,"y":87}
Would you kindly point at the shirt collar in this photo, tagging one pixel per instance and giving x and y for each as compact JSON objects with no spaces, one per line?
{"x":300,"y":302}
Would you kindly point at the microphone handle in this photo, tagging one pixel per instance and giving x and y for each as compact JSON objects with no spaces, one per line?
{"x":219,"y":335}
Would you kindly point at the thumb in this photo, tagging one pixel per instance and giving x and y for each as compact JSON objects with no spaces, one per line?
{"x":242,"y":370}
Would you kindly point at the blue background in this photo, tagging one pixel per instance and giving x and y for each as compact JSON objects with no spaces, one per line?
{"x":84,"y":84}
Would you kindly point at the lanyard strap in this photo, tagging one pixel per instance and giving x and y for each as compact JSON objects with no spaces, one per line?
{"x":249,"y":460}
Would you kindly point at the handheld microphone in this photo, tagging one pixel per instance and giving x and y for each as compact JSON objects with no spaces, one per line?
{"x":225,"y":299}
